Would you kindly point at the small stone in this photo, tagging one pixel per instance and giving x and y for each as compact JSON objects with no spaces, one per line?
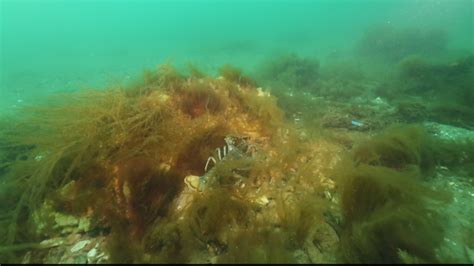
{"x":27,"y":258}
{"x":81,"y":259}
{"x":165,"y":167}
{"x":102,"y":258}
{"x":84,"y":225}
{"x":53,"y":242}
{"x":67,"y":260}
{"x":126,"y":190}
{"x":301,"y":257}
{"x":80,"y":245}
{"x":214,"y":260}
{"x":92,"y":253}
{"x":327,"y":194}
{"x":65,"y":220}
{"x":192,"y":182}
{"x":262,"y":93}
{"x":263,"y":200}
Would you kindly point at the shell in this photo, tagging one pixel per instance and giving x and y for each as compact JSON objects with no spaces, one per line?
{"x":192,"y":181}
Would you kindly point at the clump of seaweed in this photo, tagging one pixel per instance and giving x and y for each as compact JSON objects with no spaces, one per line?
{"x":203,"y":225}
{"x":397,"y":148}
{"x":199,"y":98}
{"x":235,"y":75}
{"x":392,"y":219}
{"x":120,"y":158}
{"x":412,"y":111}
{"x":387,"y":209}
{"x":342,"y":80}
{"x":296,"y":81}
{"x":268,"y":246}
{"x":291,"y":71}
{"x":195,"y":71}
{"x":123,"y":155}
{"x":386,"y":42}
{"x":448,"y":85}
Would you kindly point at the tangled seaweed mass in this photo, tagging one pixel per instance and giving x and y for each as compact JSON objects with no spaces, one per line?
{"x":181,"y":169}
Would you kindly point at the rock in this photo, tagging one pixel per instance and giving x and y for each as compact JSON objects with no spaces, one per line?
{"x":263,"y":200}
{"x":301,"y":257}
{"x":447,"y":132}
{"x":214,"y":259}
{"x":27,"y":258}
{"x":92,"y":253}
{"x":80,"y":245}
{"x":63,"y":220}
{"x":192,"y":182}
{"x":53,"y":242}
{"x":84,"y":224}
{"x":81,"y":259}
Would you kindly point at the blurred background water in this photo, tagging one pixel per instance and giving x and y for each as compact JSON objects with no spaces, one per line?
{"x":48,"y":46}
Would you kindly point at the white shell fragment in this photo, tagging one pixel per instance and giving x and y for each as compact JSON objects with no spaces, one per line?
{"x":263,"y":200}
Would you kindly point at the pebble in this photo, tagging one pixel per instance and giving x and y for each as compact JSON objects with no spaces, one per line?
{"x":263,"y":200}
{"x":92,"y":253}
{"x":80,"y":245}
{"x":53,"y":242}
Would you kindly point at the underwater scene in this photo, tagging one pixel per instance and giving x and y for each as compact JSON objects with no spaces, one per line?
{"x":238,"y":131}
